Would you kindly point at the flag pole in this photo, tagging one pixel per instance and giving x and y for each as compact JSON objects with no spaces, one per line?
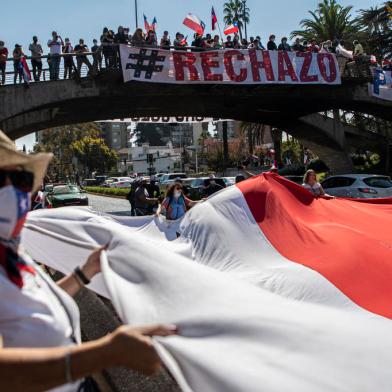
{"x":220,"y":31}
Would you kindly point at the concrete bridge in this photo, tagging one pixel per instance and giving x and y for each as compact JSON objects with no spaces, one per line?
{"x":48,"y":104}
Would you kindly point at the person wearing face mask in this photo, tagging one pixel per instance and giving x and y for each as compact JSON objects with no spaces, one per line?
{"x":40,"y":347}
{"x":271,"y":45}
{"x":175,"y":204}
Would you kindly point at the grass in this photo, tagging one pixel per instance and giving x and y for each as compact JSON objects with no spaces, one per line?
{"x":107,"y":191}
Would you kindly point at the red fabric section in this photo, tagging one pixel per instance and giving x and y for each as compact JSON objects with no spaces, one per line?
{"x":349,"y":242}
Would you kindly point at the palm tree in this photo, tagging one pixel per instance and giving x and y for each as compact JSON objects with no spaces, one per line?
{"x":375,"y":25}
{"x":254,"y":133}
{"x":236,"y":11}
{"x":329,"y":21}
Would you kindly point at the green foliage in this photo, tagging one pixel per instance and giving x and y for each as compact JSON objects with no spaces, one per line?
{"x":329,"y":21}
{"x":59,"y":141}
{"x":375,"y":25}
{"x":234,"y":12}
{"x":95,"y":154}
{"x":107,"y":191}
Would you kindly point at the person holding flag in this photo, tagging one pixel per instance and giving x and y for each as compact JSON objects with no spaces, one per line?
{"x":20,"y":65}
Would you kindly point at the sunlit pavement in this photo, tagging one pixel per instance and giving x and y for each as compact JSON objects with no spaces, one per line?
{"x":110,"y":205}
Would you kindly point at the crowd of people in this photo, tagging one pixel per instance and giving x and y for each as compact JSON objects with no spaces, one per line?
{"x":105,"y":51}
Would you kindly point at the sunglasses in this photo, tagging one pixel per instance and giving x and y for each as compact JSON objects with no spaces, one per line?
{"x":22,"y":180}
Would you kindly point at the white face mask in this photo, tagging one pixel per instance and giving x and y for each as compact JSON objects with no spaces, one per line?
{"x":14,"y":206}
{"x":177,"y":194}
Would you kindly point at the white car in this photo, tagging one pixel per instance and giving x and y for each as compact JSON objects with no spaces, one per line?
{"x":121,"y":182}
{"x":362,"y":186}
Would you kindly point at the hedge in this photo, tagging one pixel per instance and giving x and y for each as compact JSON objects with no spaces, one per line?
{"x":107,"y":191}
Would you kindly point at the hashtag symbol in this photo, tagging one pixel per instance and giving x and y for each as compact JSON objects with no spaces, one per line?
{"x":145,"y":63}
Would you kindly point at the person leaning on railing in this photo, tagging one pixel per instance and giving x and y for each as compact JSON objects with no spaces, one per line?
{"x":69,"y":65}
{"x":40,"y":345}
{"x":3,"y":60}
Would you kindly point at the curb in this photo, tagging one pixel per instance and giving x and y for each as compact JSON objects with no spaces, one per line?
{"x":106,"y":195}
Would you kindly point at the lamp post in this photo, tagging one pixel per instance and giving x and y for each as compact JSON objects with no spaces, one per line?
{"x":136,"y":18}
{"x":244,"y":17}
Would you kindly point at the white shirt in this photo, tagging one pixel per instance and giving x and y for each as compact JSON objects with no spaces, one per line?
{"x":35,"y":316}
{"x":315,"y":189}
{"x":55,"y":48}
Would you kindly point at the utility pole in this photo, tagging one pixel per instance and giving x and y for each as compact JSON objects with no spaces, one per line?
{"x":244,"y":17}
{"x":136,"y":18}
{"x":225,"y":144}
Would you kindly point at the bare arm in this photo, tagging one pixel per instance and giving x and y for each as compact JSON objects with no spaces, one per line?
{"x":34,"y":370}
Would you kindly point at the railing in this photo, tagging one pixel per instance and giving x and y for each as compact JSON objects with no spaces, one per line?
{"x":108,"y":58}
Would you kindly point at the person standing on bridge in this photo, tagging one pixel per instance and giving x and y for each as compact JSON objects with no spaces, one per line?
{"x":69,"y":65}
{"x":55,"y":44}
{"x":81,"y":58}
{"x":36,"y":60}
{"x":40,"y":344}
{"x":18,"y":70}
{"x":284,"y":46}
{"x":3,"y":60}
{"x":97,"y":56}
{"x":271,"y":45}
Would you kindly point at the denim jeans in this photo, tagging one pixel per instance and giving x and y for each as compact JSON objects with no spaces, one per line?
{"x":54,"y":66}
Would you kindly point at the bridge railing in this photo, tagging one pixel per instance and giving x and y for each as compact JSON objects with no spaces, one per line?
{"x":108,"y":58}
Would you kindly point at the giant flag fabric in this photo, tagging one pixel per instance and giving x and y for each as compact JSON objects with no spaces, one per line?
{"x":272,"y":289}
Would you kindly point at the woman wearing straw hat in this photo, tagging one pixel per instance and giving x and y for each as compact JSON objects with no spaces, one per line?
{"x":40,"y":345}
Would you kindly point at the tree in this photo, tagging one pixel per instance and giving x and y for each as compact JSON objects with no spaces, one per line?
{"x":329,"y":21}
{"x":254,"y":133}
{"x":375,"y":25}
{"x":95,"y":154}
{"x":236,"y":11}
{"x":59,"y":141}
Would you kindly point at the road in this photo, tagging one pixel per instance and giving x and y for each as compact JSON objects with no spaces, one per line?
{"x":110,"y":205}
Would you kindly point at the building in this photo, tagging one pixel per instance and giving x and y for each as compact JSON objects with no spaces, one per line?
{"x":148,"y":159}
{"x":115,"y":134}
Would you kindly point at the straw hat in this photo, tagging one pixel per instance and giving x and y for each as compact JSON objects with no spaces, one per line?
{"x":10,"y":156}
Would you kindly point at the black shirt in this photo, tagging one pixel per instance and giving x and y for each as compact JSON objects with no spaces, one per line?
{"x":211,"y":189}
{"x":81,"y":48}
{"x":271,"y":45}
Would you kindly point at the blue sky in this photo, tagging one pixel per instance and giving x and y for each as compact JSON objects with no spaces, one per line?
{"x":85,"y":18}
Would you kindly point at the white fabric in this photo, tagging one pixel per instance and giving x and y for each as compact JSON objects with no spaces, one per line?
{"x":249,"y":319}
{"x":168,"y":68}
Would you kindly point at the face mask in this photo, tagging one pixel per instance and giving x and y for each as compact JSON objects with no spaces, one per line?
{"x":14,"y":206}
{"x":177,"y":194}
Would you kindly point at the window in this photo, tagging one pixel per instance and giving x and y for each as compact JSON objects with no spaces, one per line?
{"x":338,"y":182}
{"x":378,"y":182}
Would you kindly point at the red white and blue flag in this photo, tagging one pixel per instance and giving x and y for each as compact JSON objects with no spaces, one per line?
{"x":25,"y":70}
{"x":154,"y":23}
{"x":232,"y":29}
{"x":195,"y":23}
{"x":214,"y":19}
{"x":147,"y":26}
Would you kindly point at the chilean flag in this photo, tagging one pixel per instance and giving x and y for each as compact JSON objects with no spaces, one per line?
{"x":147,"y":26}
{"x":25,"y":69}
{"x":154,"y":23}
{"x":194,"y":23}
{"x":233,"y":28}
{"x":214,"y":19}
{"x":271,"y":288}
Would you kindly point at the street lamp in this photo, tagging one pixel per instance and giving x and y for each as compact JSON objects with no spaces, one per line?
{"x":244,"y":17}
{"x":136,"y":18}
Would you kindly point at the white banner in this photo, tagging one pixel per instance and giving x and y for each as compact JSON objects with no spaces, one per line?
{"x":167,"y":120}
{"x":382,"y":85}
{"x":229,"y":66}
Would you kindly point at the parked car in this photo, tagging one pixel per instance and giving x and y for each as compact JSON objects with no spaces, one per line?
{"x":196,"y":188}
{"x":365,"y":186}
{"x":121,"y":182}
{"x":186,"y":183}
{"x":106,"y":183}
{"x":229,"y":181}
{"x":171,"y":176}
{"x":66,"y":195}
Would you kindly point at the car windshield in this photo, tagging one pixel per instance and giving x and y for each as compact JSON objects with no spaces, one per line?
{"x":378,"y":182}
{"x":64,"y":189}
